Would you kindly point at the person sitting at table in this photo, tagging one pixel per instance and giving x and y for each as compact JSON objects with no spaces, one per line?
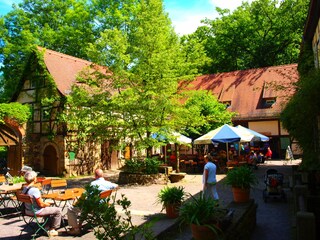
{"x":252,"y":160}
{"x":74,"y":211}
{"x":41,"y":208}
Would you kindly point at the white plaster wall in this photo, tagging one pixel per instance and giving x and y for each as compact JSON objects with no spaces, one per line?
{"x":265,"y":127}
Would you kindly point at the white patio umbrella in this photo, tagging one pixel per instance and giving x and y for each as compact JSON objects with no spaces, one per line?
{"x":257,"y":137}
{"x":181,"y":139}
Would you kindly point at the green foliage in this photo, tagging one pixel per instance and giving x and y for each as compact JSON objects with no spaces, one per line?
{"x":171,"y":195}
{"x":17,"y":179}
{"x":15,"y":111}
{"x":3,"y":151}
{"x":101,"y":214}
{"x":147,"y":166}
{"x":65,"y":26}
{"x":203,"y":113}
{"x":202,"y":211}
{"x":134,"y":166}
{"x":152,"y":165}
{"x":300,"y":116}
{"x":242,"y":177}
{"x":258,"y":34}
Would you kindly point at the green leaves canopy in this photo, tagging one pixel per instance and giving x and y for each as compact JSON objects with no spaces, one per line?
{"x":263,"y":33}
{"x":15,"y":111}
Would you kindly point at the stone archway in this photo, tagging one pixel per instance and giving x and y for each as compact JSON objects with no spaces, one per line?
{"x":50,"y":160}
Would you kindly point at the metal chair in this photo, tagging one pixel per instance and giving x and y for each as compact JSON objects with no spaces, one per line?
{"x":30,"y":218}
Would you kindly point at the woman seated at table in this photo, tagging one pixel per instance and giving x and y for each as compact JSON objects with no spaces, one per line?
{"x":41,"y":208}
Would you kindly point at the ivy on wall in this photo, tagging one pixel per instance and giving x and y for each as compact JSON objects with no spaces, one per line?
{"x":300,"y":117}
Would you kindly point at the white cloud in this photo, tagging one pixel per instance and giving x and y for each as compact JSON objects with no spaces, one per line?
{"x":229,"y":4}
{"x":186,"y":21}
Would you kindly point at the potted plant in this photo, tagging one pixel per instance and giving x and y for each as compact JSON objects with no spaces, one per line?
{"x":241,"y":179}
{"x":204,"y":216}
{"x":171,"y":199}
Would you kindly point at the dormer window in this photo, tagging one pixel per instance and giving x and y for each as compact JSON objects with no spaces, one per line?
{"x":227,"y":104}
{"x":269,"y":102}
{"x":226,"y":95}
{"x":269,"y":95}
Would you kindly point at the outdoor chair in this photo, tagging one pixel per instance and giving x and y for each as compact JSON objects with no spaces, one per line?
{"x":2,"y":179}
{"x":58,"y":184}
{"x":46,"y":185}
{"x":105,"y":194}
{"x":30,"y":219}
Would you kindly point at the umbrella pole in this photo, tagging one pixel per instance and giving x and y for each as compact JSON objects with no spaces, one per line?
{"x":227,"y":152}
{"x":165,"y":154}
{"x":177,"y":157}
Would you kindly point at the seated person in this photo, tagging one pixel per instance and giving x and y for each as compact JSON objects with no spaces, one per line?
{"x":252,"y":160}
{"x":41,"y":208}
{"x":74,"y":211}
{"x":24,"y":169}
{"x":260,"y":157}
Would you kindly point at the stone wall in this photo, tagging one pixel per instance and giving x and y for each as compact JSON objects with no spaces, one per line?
{"x":141,"y":179}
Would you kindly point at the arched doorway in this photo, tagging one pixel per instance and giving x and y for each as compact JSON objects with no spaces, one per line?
{"x":50,"y":160}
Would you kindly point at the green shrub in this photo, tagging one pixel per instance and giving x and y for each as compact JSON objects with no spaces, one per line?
{"x":147,"y":166}
{"x":242,"y":177}
{"x":134,"y":166}
{"x":171,"y":195}
{"x":203,"y":211}
{"x":152,"y":165}
{"x":102,"y":216}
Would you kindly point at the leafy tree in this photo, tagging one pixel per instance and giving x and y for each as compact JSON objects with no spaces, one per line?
{"x":134,"y":38}
{"x":263,"y":33}
{"x":101,"y":214}
{"x":15,"y":111}
{"x":88,"y":113}
{"x":147,"y":61}
{"x":300,"y":116}
{"x":64,"y":26}
{"x":204,"y":113}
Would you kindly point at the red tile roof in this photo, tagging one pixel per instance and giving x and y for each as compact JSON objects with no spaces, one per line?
{"x":249,"y":89}
{"x":64,"y":69}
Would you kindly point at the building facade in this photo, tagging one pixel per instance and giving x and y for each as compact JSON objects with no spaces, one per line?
{"x":46,"y":142}
{"x":257,"y":96}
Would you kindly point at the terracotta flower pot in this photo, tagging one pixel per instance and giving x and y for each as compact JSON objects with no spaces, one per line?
{"x":241,"y":195}
{"x":200,"y":232}
{"x":172,"y":210}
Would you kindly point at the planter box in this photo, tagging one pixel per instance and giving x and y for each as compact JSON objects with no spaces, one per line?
{"x":176,"y":177}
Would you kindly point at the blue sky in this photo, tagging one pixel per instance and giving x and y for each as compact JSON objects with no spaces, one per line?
{"x":185,"y":14}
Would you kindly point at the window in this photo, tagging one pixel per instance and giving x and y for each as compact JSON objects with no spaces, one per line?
{"x":227,"y":103}
{"x":45,"y":113}
{"x":269,"y":103}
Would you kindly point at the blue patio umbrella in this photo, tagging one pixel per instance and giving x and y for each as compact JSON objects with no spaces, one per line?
{"x":224,"y":134}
